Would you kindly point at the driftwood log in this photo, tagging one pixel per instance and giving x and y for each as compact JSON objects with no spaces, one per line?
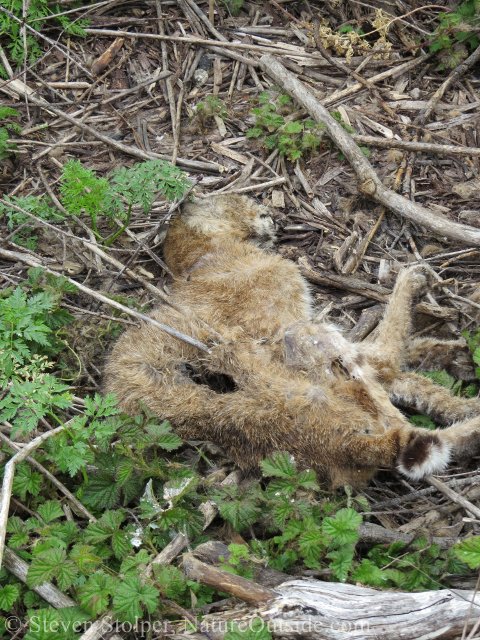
{"x":331,"y":611}
{"x":369,"y":183}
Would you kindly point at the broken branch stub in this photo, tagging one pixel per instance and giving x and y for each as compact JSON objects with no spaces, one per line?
{"x":369,"y":183}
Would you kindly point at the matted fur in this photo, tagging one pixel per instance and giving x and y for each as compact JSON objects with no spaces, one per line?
{"x":292,"y":384}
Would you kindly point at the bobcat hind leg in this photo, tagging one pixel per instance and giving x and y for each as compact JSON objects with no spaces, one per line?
{"x":424,"y":395}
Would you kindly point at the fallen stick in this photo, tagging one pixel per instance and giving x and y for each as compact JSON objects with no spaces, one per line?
{"x":207,"y":43}
{"x":15,"y":256}
{"x":167,"y":554}
{"x":453,"y":495}
{"x":334,"y":611}
{"x":424,"y":147}
{"x":370,"y":184}
{"x":8,"y":476}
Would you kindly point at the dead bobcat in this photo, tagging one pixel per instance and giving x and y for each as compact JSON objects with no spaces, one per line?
{"x":281,"y":381}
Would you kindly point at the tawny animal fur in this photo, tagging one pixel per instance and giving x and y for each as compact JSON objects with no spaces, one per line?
{"x":294,"y":385}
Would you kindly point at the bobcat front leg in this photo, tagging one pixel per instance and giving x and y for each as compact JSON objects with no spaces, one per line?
{"x":385,"y":353}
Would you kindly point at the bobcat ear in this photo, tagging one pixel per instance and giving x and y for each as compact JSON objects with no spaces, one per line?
{"x":424,"y":455}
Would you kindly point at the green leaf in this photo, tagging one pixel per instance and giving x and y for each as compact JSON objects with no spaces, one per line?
{"x":94,"y":596}
{"x":163,"y":436}
{"x":254,"y":132}
{"x":48,"y":624}
{"x":120,"y":544}
{"x":171,"y":581}
{"x":26,"y":480}
{"x":280,"y":487}
{"x":8,"y":594}
{"x":49,"y":511}
{"x":342,"y":561}
{"x":102,"y":491}
{"x":255,"y":630}
{"x":312,"y":542}
{"x":129,"y":597}
{"x":368,"y":573}
{"x":52,"y":564}
{"x":280,"y":464}
{"x":343,"y":528}
{"x":293,"y":127}
{"x":440,"y":377}
{"x":468,"y":551}
{"x":453,"y":56}
{"x":83,"y":557}
{"x":476,"y":355}
{"x":422,"y":421}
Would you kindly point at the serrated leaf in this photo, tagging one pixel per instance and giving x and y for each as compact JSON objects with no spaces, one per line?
{"x":49,"y":511}
{"x":468,"y":551}
{"x":171,"y":580}
{"x":308,"y":480}
{"x":342,"y":559}
{"x":343,"y":528}
{"x":84,"y":558}
{"x":8,"y":594}
{"x":26,"y":480}
{"x":453,"y":56}
{"x":255,"y":630}
{"x":95,"y":595}
{"x":129,"y":597}
{"x":121,"y":544}
{"x":368,"y":573}
{"x":293,"y":127}
{"x":280,"y":464}
{"x":312,"y":542}
{"x":51,"y":564}
{"x":279,"y":487}
{"x":423,"y":421}
{"x":102,"y":491}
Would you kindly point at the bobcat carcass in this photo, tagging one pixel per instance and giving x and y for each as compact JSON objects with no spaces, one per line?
{"x":280,"y":381}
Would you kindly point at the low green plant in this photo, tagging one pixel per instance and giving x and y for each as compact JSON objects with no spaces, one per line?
{"x":293,"y":139}
{"x":454,"y":37}
{"x":210,"y":107}
{"x":82,"y":191}
{"x":27,"y":327}
{"x":7,"y":148}
{"x":232,"y":6}
{"x":38,"y":11}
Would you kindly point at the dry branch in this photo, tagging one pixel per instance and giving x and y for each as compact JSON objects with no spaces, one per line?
{"x":423,"y":147}
{"x":334,"y":611}
{"x":369,"y":183}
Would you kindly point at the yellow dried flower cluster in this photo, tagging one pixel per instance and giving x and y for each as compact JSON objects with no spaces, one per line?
{"x":343,"y":43}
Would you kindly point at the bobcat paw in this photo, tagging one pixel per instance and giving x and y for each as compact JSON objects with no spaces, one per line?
{"x":424,"y":455}
{"x":421,"y":278}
